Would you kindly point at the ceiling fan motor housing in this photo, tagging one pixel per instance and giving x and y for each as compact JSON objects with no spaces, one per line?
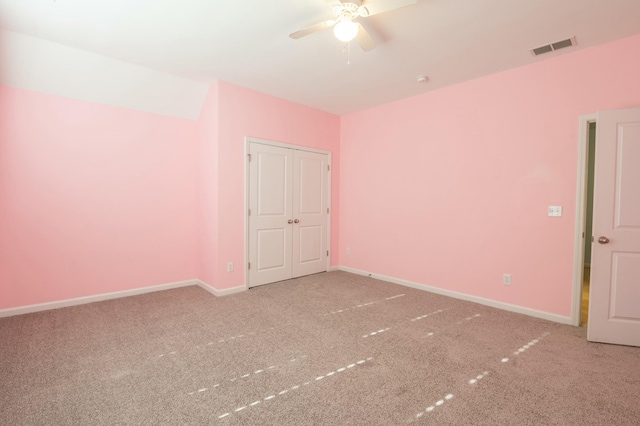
{"x":349,"y":10}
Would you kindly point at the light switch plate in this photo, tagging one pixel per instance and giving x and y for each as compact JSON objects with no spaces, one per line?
{"x":555,"y":211}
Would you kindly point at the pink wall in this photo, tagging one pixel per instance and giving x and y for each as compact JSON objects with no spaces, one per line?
{"x":447,"y":189}
{"x":93,"y":199}
{"x":450,"y":189}
{"x":97,"y":199}
{"x":244,"y":112}
{"x":207,"y":187}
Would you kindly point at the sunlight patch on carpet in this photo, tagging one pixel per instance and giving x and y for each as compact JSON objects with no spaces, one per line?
{"x":435,"y":405}
{"x":362,"y":305}
{"x":478,"y":378}
{"x":295,"y":387}
{"x":247,"y":375}
{"x":426,"y":315}
{"x":532,"y":343}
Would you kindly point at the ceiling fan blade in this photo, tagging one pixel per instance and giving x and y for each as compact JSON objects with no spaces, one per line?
{"x":312,"y":29}
{"x":373,"y":7}
{"x":364,"y":39}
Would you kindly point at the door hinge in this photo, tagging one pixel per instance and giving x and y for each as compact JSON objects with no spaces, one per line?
{"x":328,"y":168}
{"x":249,"y":212}
{"x":327,"y":210}
{"x":327,"y":252}
{"x":249,"y":265}
{"x":249,"y":157}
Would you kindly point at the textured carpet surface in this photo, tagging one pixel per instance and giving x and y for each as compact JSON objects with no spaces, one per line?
{"x":328,"y":349}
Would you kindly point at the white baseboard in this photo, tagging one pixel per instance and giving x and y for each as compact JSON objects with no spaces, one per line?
{"x":219,"y":293}
{"x":90,"y":299}
{"x":462,"y":296}
{"x":227,"y":291}
{"x":334,"y":268}
{"x":116,"y":295}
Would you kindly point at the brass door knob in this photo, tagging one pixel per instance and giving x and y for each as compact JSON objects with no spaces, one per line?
{"x":603,"y":240}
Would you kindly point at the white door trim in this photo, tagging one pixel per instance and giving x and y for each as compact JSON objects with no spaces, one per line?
{"x":248,"y":140}
{"x":581,"y":207}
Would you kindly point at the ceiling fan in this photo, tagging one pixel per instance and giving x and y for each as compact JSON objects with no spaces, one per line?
{"x":348,"y":14}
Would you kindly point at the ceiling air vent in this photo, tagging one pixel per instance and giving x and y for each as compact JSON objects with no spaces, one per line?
{"x":554,"y":46}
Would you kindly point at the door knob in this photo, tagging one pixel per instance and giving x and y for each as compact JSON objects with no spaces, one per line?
{"x":603,"y":240}
{"x":289,"y":221}
{"x":296,"y":221}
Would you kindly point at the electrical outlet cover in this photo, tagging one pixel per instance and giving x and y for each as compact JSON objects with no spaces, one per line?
{"x":555,"y":211}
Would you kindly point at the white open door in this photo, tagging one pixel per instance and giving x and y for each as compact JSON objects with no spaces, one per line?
{"x":288,"y":213}
{"x":614,"y":300}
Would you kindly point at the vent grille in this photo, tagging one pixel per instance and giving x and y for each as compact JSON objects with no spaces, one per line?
{"x":554,"y":46}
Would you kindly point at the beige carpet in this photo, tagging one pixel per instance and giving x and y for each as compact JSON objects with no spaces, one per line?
{"x":328,"y":349}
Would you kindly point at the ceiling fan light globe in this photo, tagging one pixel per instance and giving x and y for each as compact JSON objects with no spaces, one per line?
{"x":345,"y":30}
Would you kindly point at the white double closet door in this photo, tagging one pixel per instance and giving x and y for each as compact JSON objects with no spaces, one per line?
{"x":288,"y":213}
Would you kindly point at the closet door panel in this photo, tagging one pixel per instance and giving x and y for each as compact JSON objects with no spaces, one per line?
{"x":310,"y":212}
{"x":270,"y":205}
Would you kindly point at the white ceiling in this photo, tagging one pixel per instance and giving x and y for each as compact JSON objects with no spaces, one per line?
{"x":246,"y":42}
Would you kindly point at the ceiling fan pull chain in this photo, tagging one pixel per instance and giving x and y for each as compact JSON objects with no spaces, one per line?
{"x":346,"y":51}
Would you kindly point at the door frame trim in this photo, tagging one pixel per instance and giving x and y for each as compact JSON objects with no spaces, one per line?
{"x":580,"y":222}
{"x":247,"y":141}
